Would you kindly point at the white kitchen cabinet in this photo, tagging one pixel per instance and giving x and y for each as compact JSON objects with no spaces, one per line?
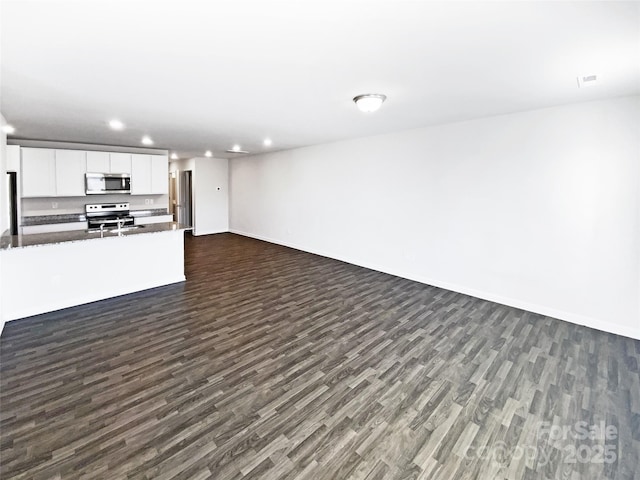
{"x":153,"y":219}
{"x":98,"y":162}
{"x":13,"y":158}
{"x":61,"y":173}
{"x":38,"y":172}
{"x":108,"y":162}
{"x":70,"y":169}
{"x":159,"y":174}
{"x":140,"y":174}
{"x":54,"y":227}
{"x":149,"y":174}
{"x":119,"y":163}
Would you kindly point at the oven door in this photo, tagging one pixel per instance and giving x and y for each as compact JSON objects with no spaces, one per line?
{"x":109,"y":222}
{"x":117,"y":183}
{"x":104,"y":183}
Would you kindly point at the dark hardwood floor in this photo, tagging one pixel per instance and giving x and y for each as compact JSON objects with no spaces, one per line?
{"x":277,"y":364}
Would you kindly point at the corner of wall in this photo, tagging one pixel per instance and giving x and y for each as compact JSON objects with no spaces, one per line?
{"x":4,"y":212}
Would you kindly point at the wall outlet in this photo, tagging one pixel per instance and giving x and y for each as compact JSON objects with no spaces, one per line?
{"x":151,"y":201}
{"x":148,"y":201}
{"x":54,"y":204}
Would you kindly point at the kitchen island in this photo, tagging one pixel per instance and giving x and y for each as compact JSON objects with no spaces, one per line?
{"x":45,"y":272}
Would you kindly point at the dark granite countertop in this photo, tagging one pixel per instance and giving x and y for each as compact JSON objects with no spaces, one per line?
{"x":79,"y":217}
{"x":52,"y":219}
{"x":38,"y":239}
{"x":154,"y":212}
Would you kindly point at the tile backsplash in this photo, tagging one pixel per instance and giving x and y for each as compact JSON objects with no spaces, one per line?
{"x":70,"y":205}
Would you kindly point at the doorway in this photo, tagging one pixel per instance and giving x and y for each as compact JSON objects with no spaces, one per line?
{"x":183,"y":211}
{"x":13,"y":205}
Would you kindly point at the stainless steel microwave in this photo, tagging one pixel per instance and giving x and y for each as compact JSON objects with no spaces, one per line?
{"x":104,"y":183}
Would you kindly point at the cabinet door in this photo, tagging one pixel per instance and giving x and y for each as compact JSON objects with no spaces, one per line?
{"x":55,"y":227}
{"x":98,"y":162}
{"x":140,"y":174}
{"x":159,"y":174}
{"x":70,"y":170}
{"x":120,"y":163}
{"x":13,"y":158}
{"x":153,"y":219}
{"x":38,"y":172}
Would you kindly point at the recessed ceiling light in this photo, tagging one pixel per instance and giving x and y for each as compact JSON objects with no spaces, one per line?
{"x":8,"y":129}
{"x":208,"y":153}
{"x":369,"y":102}
{"x":587,"y":80}
{"x":116,"y":124}
{"x":267,"y":142}
{"x":236,"y":148}
{"x":146,"y":140}
{"x":174,"y":156}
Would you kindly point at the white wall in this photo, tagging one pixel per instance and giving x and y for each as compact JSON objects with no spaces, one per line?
{"x":4,"y":198}
{"x":538,"y":210}
{"x":4,"y":193}
{"x":210,"y":177}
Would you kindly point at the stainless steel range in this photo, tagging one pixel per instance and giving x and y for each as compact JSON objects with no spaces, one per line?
{"x":107,"y":216}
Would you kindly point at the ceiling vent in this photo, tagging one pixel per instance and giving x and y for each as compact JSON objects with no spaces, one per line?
{"x":587,"y":81}
{"x":237,"y":151}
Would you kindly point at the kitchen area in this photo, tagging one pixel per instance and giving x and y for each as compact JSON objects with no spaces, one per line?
{"x":87,"y":222}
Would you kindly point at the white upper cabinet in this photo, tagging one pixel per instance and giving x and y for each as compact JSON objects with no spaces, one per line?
{"x":120,"y":163}
{"x":48,"y":172}
{"x":149,"y":174}
{"x":108,"y":162}
{"x":38,"y":172}
{"x":159,"y":174}
{"x":140,"y":174}
{"x":70,"y":170}
{"x":98,"y":162}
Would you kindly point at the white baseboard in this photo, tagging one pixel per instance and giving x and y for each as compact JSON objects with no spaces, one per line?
{"x":213,"y":232}
{"x":84,"y":299}
{"x":531,"y":307}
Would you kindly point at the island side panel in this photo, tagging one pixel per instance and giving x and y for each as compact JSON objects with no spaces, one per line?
{"x":45,"y":278}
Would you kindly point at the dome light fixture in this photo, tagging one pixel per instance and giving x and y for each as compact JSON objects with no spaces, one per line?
{"x":369,"y":102}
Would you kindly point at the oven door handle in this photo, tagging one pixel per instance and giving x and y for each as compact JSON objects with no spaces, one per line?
{"x":108,"y":221}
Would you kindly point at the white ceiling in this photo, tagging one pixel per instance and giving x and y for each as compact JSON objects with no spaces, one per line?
{"x":198,"y":75}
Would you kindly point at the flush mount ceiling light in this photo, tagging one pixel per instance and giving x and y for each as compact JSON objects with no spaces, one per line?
{"x":8,"y":129}
{"x":146,"y":140}
{"x":236,"y":149}
{"x":267,"y":142}
{"x":587,"y":80}
{"x":208,"y":153}
{"x":369,"y":102}
{"x":174,"y":156}
{"x":116,"y":124}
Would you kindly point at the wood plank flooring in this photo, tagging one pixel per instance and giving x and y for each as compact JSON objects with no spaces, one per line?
{"x":276,"y":364}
